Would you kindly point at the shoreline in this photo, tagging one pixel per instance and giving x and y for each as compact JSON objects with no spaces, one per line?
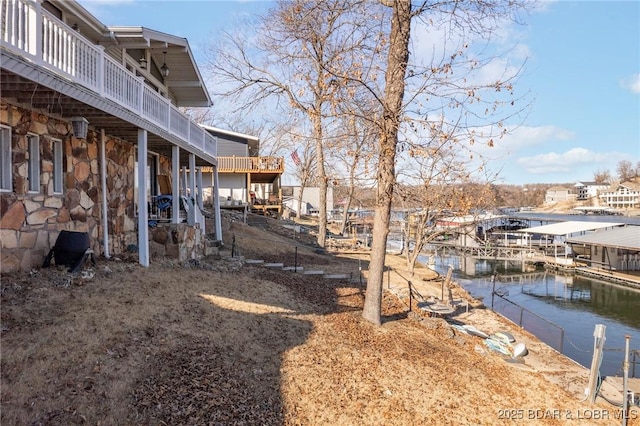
{"x":541,"y":359}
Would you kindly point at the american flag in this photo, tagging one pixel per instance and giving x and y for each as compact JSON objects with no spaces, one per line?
{"x":296,"y":158}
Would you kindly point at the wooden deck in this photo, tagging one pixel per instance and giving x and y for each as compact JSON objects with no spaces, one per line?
{"x":271,"y":165}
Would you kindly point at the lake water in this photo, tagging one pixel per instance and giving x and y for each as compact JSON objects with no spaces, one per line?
{"x":561,"y":310}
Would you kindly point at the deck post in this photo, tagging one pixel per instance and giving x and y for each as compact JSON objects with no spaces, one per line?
{"x":143,"y":211}
{"x":175,"y":184}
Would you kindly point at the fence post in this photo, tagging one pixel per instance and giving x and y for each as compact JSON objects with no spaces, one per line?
{"x":493,"y":289}
{"x":625,"y":381}
{"x":521,"y":315}
{"x":295,"y":261}
{"x":410,"y":296}
{"x":233,"y":246}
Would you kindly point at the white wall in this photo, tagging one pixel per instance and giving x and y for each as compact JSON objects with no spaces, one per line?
{"x":233,"y":186}
{"x":311,"y":195}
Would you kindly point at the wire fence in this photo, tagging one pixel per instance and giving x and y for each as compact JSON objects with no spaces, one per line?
{"x":547,"y":331}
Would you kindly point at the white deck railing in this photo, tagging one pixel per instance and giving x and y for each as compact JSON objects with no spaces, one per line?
{"x":34,"y":33}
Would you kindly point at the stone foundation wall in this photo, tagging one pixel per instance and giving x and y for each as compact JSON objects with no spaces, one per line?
{"x":30,"y":222}
{"x":176,"y":240}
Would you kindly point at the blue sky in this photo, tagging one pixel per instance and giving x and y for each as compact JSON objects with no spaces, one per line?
{"x":582,"y":74}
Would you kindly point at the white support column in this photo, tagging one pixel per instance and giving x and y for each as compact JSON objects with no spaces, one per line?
{"x":143,"y":211}
{"x":216,"y":204}
{"x":183,"y":181}
{"x":200,"y":189}
{"x":103,"y":183}
{"x":175,"y":183}
{"x":192,"y":189}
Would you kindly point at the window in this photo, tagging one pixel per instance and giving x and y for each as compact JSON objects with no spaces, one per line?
{"x":5,"y":159}
{"x":57,"y":167}
{"x":33,"y":144}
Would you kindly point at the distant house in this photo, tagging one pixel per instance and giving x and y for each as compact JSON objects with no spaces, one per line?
{"x":625,"y":195}
{"x":310,"y":199}
{"x":246,"y":179}
{"x":588,"y":190}
{"x":92,"y":138}
{"x":557,"y":194}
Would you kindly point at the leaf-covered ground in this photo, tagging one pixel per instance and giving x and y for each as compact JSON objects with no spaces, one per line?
{"x":218,"y":343}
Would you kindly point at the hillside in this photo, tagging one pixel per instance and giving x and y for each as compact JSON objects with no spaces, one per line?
{"x":220,"y":342}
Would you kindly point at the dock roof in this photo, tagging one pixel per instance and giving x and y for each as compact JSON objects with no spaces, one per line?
{"x":627,"y":238}
{"x":569,"y":227}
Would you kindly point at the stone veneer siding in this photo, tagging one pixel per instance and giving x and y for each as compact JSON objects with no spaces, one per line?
{"x":30,"y":222}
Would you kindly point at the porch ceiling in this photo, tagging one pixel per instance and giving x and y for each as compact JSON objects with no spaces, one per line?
{"x":264,"y":177}
{"x":26,"y":93}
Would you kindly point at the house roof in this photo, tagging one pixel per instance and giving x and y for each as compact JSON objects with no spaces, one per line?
{"x":184,"y":81}
{"x":591,"y":184}
{"x":627,"y":237}
{"x":253,"y":142}
{"x":568,"y":228}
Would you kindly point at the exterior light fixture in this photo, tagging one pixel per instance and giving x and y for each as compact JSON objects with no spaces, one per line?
{"x":79,"y":126}
{"x":164,"y":68}
{"x":143,"y":63}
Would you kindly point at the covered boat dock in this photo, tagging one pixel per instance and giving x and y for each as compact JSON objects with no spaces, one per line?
{"x":612,"y":254}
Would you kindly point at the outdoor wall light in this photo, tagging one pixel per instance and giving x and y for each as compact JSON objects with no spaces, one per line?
{"x":164,"y":68}
{"x":143,"y":63}
{"x":79,"y":126}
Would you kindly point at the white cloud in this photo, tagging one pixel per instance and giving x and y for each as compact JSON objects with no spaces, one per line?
{"x":631,"y":83}
{"x":566,"y":162}
{"x":519,"y":138}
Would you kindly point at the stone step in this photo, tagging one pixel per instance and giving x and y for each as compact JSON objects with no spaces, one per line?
{"x":293,"y":268}
{"x":231,"y":258}
{"x":312,"y":272}
{"x":274,"y":265}
{"x":337,"y":276}
{"x":254,"y":261}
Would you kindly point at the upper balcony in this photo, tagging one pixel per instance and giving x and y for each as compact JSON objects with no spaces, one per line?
{"x":251,"y":165}
{"x":39,"y":49}
{"x":261,"y":169}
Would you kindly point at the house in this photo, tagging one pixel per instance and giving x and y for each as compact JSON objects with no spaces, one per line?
{"x":245,"y":178}
{"x":557,"y":194}
{"x":588,"y":190}
{"x":625,"y":195}
{"x":91,"y":136}
{"x":310,"y":199}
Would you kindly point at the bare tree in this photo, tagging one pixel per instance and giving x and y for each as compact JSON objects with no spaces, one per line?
{"x":602,"y":176}
{"x":434,"y":91}
{"x":443,"y":187}
{"x":287,"y":67}
{"x":353,"y":155}
{"x":627,"y":171}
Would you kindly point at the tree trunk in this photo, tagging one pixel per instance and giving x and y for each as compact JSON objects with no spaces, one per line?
{"x":300,"y":195}
{"x":394,"y":92}
{"x":322,"y":176}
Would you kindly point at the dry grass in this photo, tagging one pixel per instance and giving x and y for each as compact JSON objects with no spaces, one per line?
{"x":215,"y":342}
